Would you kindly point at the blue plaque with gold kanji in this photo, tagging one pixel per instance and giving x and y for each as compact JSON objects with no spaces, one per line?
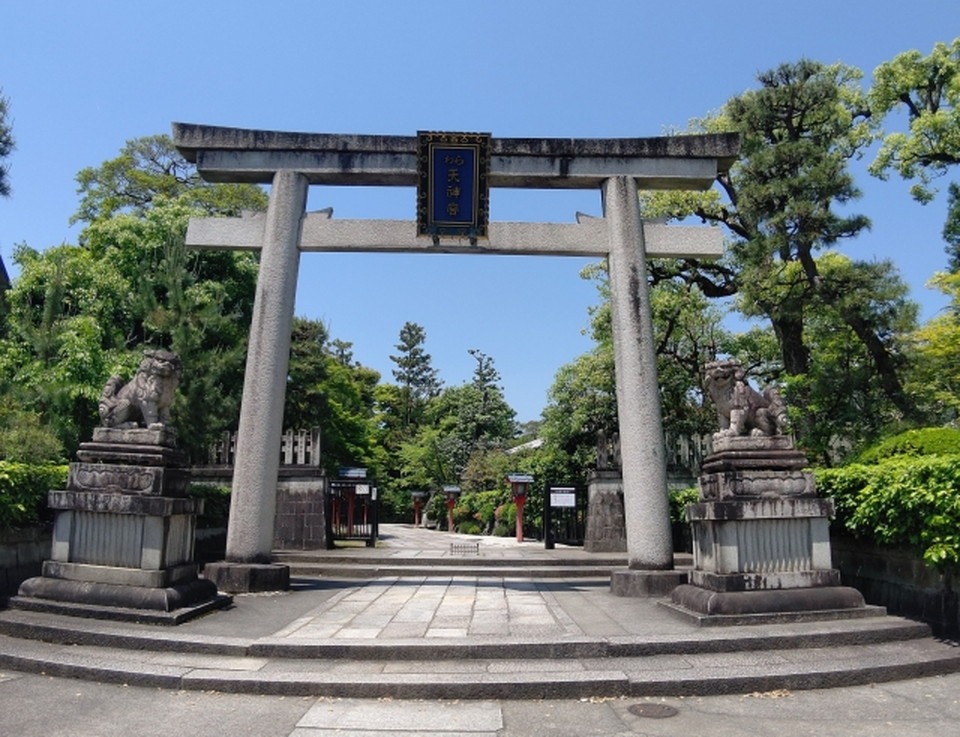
{"x":453,"y":197}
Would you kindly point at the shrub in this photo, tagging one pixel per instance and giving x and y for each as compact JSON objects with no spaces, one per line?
{"x":469,"y":527}
{"x":912,"y":501}
{"x":216,"y":504}
{"x":23,"y":492}
{"x":506,"y":520}
{"x":24,"y":439}
{"x":923,"y":442}
{"x":478,"y":507}
{"x":679,"y":499}
{"x":396,"y":506}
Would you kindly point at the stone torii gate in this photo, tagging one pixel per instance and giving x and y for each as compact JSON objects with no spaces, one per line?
{"x":290,"y":162}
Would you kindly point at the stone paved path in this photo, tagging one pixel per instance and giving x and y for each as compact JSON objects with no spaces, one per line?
{"x":388,"y":608}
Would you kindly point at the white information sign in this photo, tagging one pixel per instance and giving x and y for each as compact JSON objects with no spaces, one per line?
{"x":563,"y":497}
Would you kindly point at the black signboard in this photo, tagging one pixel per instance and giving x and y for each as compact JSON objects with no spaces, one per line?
{"x":453,"y":196}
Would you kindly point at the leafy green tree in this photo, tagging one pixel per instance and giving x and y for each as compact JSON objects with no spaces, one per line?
{"x":951,"y":229}
{"x":484,"y":414}
{"x":457,"y":423}
{"x":417,"y":378}
{"x":199,"y":304}
{"x":80,"y":314}
{"x":689,"y":334}
{"x":786,"y":202}
{"x":936,"y":375}
{"x":7,"y":144}
{"x":25,"y":439}
{"x":582,"y":404}
{"x":309,"y":364}
{"x":324,"y":392}
{"x":196,"y":304}
{"x":151,"y":167}
{"x":927,"y":88}
{"x":65,"y":335}
{"x":342,"y":351}
{"x":844,"y":406}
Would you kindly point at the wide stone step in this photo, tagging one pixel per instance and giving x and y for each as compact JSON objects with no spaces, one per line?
{"x":477,"y":562}
{"x":79,"y":631}
{"x":475,"y":678}
{"x":493,"y":558}
{"x":357,"y":569}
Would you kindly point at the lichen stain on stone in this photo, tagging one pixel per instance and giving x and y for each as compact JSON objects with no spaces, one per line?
{"x":346,"y":160}
{"x":636,"y":304}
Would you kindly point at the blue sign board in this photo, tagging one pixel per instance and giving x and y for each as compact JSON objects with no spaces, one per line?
{"x":453,"y":196}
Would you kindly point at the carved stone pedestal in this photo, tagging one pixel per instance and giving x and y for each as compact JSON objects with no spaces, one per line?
{"x":761,"y":541}
{"x":606,"y":529}
{"x":123,"y":536}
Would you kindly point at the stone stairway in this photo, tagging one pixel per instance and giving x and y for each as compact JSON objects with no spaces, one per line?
{"x":428,"y":616}
{"x":819,"y":656}
{"x":463,"y":561}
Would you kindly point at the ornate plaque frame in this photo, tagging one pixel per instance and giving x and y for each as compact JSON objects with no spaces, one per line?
{"x":453,"y":193}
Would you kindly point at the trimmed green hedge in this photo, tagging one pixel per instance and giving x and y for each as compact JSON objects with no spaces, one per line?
{"x":925,"y":441}
{"x":23,"y":492}
{"x":906,"y":500}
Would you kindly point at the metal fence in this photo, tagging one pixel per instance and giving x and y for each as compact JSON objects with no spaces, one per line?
{"x":564,"y":515}
{"x":351,"y":511}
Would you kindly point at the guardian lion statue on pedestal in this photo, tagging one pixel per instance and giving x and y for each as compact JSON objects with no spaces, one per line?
{"x":741,"y":409}
{"x":145,"y":400}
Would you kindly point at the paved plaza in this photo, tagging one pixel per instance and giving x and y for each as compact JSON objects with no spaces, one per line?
{"x":580,"y":660}
{"x":42,"y":706}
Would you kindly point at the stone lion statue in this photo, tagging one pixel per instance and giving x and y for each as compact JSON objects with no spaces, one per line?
{"x":741,"y":409}
{"x":145,"y":400}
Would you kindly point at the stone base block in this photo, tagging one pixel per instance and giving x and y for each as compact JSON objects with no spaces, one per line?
{"x":169,"y":605}
{"x":783,"y":602}
{"x":635,"y":583}
{"x":159,"y":579}
{"x":245,"y":578}
{"x":606,"y":529}
{"x":776,"y":580}
{"x":129,"y":479}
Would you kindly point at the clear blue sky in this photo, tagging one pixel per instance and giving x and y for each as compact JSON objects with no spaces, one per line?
{"x":84,"y":77}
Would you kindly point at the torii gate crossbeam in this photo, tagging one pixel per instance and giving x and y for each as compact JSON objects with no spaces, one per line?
{"x":293,"y":161}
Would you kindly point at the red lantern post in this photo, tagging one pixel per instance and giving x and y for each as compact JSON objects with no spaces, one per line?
{"x":418,"y":498}
{"x":452,"y":493}
{"x":519,"y":485}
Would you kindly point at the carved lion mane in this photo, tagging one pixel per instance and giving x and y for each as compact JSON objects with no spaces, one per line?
{"x":741,"y":409}
{"x":145,"y":400}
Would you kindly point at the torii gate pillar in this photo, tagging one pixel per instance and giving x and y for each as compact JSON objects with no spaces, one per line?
{"x":643,"y":464}
{"x":250,"y":530}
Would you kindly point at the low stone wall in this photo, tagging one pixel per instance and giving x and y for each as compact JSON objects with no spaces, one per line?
{"x":22,"y":553}
{"x":899,"y":580}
